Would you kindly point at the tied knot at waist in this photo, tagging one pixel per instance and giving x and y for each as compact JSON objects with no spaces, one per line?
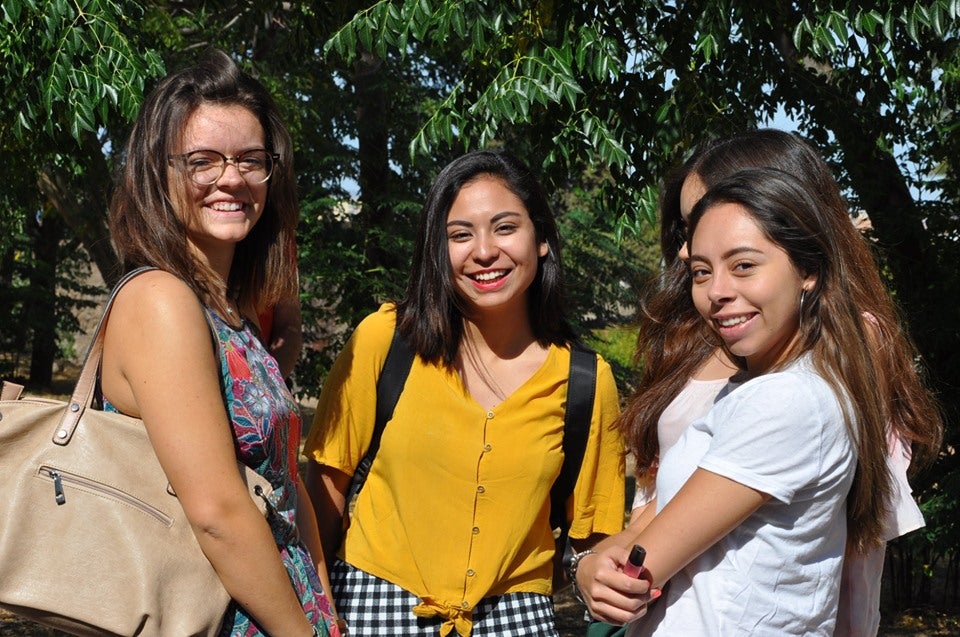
{"x":455,"y":617}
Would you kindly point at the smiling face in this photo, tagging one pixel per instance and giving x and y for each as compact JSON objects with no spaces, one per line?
{"x":746,"y":286}
{"x":223,"y":213}
{"x":493,"y":248}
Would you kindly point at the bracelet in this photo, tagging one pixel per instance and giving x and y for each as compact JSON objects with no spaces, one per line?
{"x":572,"y":572}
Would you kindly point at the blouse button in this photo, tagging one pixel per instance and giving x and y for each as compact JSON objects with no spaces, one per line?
{"x":487,"y":447}
{"x":480,"y":489}
{"x":476,"y":530}
{"x":464,"y":605}
{"x":471,"y":572}
{"x":489,"y":414}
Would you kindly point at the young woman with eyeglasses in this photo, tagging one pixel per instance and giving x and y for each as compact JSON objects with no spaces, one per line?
{"x":206,"y":195}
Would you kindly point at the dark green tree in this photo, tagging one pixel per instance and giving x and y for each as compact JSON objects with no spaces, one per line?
{"x":627,"y":89}
{"x":602,"y":96}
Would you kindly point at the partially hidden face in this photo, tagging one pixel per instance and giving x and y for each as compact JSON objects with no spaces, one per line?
{"x":746,"y":286}
{"x":222,"y":213}
{"x":690,"y":193}
{"x":493,"y":248}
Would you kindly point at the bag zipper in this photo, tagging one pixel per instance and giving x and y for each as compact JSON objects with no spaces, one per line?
{"x":63,"y":477}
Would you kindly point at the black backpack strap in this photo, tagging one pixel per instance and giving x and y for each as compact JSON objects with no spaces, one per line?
{"x":393,"y":376}
{"x":581,"y":390}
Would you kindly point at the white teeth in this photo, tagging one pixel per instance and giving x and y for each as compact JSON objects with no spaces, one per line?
{"x":489,"y":276}
{"x":730,"y":322}
{"x":227,"y":206}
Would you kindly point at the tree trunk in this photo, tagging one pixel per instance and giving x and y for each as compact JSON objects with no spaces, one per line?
{"x":42,"y":308}
{"x":897,"y":221}
{"x":876,"y":177}
{"x":83,"y":207}
{"x":374,"y":179}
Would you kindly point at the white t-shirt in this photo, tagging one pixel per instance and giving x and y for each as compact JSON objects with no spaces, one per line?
{"x":697,"y":397}
{"x":778,"y":573}
{"x":860,"y":585}
{"x":859,"y":611}
{"x":693,"y":402}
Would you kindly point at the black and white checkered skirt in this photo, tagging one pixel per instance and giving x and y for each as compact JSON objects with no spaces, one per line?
{"x":374,"y":607}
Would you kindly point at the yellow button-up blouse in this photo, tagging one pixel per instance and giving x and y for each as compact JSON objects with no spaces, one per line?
{"x":456,"y":506}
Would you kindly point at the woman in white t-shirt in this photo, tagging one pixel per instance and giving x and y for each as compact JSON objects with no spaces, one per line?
{"x":685,"y":369}
{"x":795,"y":421}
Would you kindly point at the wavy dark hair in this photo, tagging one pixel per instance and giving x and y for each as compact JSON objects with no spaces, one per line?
{"x":431,"y":314}
{"x":832,"y":327}
{"x":143,"y":220}
{"x":674,"y":342}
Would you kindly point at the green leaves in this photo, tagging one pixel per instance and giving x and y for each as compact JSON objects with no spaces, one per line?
{"x":385,"y":25}
{"x":707,"y":46}
{"x":827,"y":32}
{"x":514,"y":73}
{"x":643,"y":216}
{"x":76,"y":60}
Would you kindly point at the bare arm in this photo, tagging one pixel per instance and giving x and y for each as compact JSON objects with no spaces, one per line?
{"x":643,"y":514}
{"x":285,"y":340}
{"x":707,"y":507}
{"x":307,"y":524}
{"x":327,"y":488}
{"x":158,"y":347}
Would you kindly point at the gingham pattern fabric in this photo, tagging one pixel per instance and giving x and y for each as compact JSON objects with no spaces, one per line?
{"x":376,"y":608}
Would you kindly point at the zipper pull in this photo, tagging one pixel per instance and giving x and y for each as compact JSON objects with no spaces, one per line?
{"x":57,"y":487}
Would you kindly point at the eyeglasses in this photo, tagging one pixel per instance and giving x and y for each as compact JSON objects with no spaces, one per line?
{"x":206,"y":167}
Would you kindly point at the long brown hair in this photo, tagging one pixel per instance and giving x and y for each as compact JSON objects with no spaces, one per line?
{"x":674,"y":342}
{"x":833,"y":328}
{"x":143,"y":223}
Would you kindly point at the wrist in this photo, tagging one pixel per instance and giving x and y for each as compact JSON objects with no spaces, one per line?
{"x":572,"y":569}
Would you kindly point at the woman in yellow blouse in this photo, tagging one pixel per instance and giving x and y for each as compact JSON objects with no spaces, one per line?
{"x":451,"y":531}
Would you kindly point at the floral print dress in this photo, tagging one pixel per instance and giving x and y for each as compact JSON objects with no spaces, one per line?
{"x":266,"y":425}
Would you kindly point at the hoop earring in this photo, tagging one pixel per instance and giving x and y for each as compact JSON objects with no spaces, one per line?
{"x":803,"y":296}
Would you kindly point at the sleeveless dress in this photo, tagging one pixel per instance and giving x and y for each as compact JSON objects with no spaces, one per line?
{"x":266,"y":429}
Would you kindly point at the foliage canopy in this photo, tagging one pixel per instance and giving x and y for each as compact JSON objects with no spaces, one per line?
{"x":602,"y":96}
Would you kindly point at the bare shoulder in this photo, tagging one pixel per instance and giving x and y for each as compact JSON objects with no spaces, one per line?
{"x":156,"y":314}
{"x":156,"y":298}
{"x":156,"y":338}
{"x":154,"y":287}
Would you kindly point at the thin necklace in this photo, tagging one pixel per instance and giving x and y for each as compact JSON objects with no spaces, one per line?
{"x":233,"y":317}
{"x":472,"y":356}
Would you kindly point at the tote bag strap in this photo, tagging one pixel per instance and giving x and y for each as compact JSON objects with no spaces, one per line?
{"x":83,"y":391}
